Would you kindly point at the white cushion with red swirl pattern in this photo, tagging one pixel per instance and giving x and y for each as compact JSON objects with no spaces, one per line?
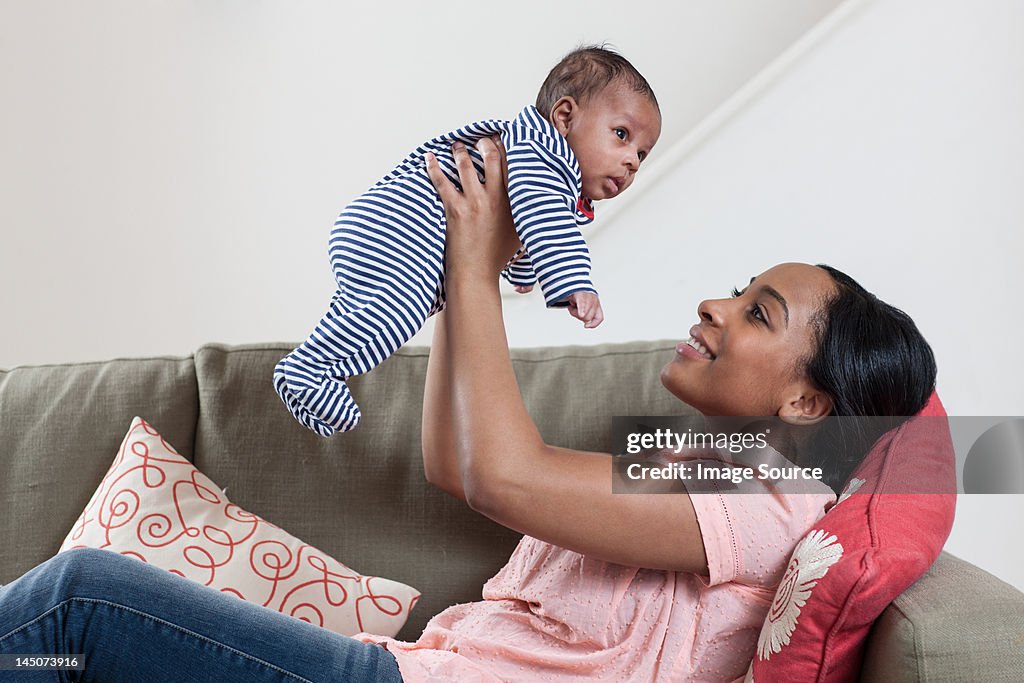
{"x":156,"y":506}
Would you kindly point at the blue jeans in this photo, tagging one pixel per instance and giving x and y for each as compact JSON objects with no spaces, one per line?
{"x":133,"y":622}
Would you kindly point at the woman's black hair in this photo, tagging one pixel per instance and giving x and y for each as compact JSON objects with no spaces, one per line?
{"x":873,"y":362}
{"x":870,"y":357}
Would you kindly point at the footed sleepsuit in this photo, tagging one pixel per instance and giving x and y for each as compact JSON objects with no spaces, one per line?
{"x":387,"y":253}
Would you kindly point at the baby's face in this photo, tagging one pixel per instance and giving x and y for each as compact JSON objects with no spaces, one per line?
{"x":611,"y":135}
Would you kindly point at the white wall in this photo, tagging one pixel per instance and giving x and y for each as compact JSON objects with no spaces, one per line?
{"x":170,"y":169}
{"x":892,"y":149}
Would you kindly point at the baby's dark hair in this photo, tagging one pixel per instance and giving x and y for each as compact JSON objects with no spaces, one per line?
{"x":585,"y":72}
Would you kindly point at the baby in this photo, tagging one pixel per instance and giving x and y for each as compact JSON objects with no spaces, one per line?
{"x":595,"y":120}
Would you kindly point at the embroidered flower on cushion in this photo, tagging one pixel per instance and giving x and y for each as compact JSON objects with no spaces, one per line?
{"x":850,"y":489}
{"x":809,"y":563}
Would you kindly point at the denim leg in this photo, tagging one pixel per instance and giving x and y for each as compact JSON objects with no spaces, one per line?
{"x":134,"y":622}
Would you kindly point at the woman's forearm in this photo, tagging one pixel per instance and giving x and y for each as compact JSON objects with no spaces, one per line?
{"x":493,"y":433}
{"x":440,"y":463}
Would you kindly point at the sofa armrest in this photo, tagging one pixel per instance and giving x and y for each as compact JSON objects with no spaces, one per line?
{"x":956,"y":623}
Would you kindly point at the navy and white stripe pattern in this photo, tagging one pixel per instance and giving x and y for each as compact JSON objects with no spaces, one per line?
{"x":387,"y":253}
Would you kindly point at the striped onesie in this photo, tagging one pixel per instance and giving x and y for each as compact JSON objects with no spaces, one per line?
{"x":387,"y":253}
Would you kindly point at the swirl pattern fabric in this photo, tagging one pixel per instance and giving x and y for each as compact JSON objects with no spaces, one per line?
{"x":155,"y":506}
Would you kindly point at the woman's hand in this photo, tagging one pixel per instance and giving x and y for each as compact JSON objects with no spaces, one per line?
{"x":480,"y":236}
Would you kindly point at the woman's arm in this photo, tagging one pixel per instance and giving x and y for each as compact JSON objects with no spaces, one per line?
{"x":440,"y":463}
{"x":507,"y":472}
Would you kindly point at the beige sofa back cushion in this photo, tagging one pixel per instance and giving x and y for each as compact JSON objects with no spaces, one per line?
{"x":60,"y":426}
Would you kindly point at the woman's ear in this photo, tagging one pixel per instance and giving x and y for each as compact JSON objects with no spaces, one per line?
{"x":806,"y":406}
{"x":563,"y":113}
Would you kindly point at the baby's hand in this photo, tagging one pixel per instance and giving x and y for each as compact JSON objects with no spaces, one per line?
{"x":523,"y":289}
{"x":586,"y":306}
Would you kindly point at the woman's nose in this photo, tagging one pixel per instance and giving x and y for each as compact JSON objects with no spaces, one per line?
{"x":710,"y":310}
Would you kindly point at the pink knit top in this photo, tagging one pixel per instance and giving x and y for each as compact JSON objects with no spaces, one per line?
{"x":551,"y":614}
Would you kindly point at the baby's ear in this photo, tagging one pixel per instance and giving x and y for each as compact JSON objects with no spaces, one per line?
{"x":563,"y":113}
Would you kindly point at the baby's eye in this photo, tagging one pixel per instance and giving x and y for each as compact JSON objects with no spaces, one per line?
{"x":641,"y":155}
{"x":621,"y":133}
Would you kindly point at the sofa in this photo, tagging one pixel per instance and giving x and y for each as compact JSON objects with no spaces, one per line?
{"x":362,"y":496}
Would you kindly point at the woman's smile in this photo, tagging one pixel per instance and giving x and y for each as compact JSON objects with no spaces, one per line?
{"x":696,"y":346}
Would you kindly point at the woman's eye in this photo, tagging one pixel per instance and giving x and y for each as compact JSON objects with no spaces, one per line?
{"x":641,"y":155}
{"x":621,"y":133}
{"x":756,"y":312}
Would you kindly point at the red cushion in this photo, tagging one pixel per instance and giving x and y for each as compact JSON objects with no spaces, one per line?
{"x":867,"y":550}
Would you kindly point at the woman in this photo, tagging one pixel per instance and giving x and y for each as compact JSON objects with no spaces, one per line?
{"x":603,"y":586}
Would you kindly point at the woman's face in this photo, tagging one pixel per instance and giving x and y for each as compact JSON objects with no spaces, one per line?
{"x":746,"y":355}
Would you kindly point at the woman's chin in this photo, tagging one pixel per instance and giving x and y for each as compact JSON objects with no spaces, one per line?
{"x":673,"y":383}
{"x":666,"y":376}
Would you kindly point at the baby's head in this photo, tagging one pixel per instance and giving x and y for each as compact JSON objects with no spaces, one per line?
{"x":608,"y":114}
